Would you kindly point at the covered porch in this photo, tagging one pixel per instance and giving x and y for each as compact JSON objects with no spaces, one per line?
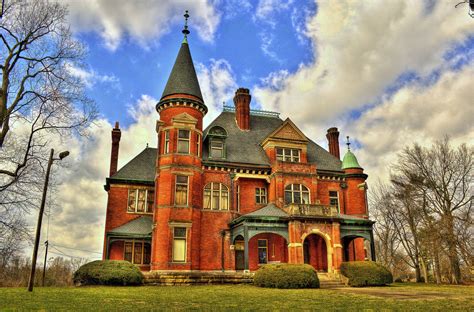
{"x":357,"y":239}
{"x":131,"y":242}
{"x":260,"y":237}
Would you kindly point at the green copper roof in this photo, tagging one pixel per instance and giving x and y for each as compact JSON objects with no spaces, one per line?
{"x":350,"y":161}
{"x":183,"y":77}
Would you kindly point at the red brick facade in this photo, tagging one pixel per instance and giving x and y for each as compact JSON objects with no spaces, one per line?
{"x":233,"y":214}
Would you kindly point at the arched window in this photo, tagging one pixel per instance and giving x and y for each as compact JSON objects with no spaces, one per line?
{"x":216,"y":196}
{"x":296,"y":194}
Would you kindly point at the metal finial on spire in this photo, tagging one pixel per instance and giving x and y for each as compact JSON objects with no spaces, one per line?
{"x":185,"y":30}
{"x":348,"y":143}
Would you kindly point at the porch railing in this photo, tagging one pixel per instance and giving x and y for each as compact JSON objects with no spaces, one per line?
{"x":312,"y":210}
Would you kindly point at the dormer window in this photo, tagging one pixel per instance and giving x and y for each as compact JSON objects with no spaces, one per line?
{"x":217,"y":148}
{"x":288,"y":154}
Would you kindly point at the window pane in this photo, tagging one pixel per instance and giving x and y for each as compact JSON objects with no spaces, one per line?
{"x":207,"y":199}
{"x":297,"y":197}
{"x":181,"y":195}
{"x":150,"y":200}
{"x":179,"y":250}
{"x":128,"y":251}
{"x":141,"y":201}
{"x":333,"y":202}
{"x":305,"y":198}
{"x":182,"y":179}
{"x":131,"y":200}
{"x":262,"y":243}
{"x":217,"y":153}
{"x":333,"y":193}
{"x":146,"y":253}
{"x":279,"y":151}
{"x":215,"y":199}
{"x":179,"y":232}
{"x":137,"y":255}
{"x":225,"y":200}
{"x":183,"y":146}
{"x":288,"y":199}
{"x":183,"y":134}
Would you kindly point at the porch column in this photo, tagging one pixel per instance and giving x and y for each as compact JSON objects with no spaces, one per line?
{"x":246,"y":248}
{"x":372,"y":245}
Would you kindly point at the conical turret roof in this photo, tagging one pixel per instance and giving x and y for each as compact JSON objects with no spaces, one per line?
{"x":350,"y":161}
{"x":183,"y":79}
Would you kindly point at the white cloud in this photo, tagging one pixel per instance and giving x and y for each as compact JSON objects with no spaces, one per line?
{"x":141,"y":20}
{"x":415,"y":114}
{"x":217,"y":85}
{"x":91,"y":77}
{"x":266,"y":10}
{"x":361,"y":47}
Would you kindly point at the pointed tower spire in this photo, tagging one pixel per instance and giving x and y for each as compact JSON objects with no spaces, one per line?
{"x":183,"y":82}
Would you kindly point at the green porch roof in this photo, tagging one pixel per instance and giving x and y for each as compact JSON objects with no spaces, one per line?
{"x":141,"y":226}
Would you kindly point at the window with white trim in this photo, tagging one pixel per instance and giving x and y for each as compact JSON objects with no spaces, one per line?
{"x":183,"y":141}
{"x":167,"y":142}
{"x":198,"y":145}
{"x":296,"y":194}
{"x":217,"y":149}
{"x":181,"y":190}
{"x":261,"y":195}
{"x":137,"y":252}
{"x":288,"y":154}
{"x":140,"y":201}
{"x":216,"y":196}
{"x":179,"y":244}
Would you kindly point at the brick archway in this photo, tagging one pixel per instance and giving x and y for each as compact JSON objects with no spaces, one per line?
{"x":327,"y":241}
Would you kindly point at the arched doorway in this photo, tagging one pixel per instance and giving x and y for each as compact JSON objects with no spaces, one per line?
{"x":239,"y":250}
{"x":315,"y":252}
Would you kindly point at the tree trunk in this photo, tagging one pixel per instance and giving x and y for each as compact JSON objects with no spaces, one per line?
{"x":425,"y":271}
{"x":452,"y":252}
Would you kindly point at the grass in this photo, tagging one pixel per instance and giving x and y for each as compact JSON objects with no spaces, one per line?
{"x":398,"y":297}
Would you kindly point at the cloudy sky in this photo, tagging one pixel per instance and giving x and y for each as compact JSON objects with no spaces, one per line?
{"x":386,"y":73}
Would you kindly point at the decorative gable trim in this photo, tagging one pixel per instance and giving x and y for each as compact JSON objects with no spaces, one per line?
{"x":184,"y":119}
{"x":287,"y":132}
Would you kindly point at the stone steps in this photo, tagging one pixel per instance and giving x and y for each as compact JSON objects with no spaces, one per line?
{"x":196,"y":278}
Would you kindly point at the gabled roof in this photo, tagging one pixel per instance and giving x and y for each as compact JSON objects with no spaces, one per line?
{"x":244,"y":146}
{"x":141,"y":168}
{"x":269,"y":210}
{"x":141,"y":226}
{"x":183,"y":77}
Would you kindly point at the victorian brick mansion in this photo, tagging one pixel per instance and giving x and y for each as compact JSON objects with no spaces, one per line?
{"x":249,"y":189}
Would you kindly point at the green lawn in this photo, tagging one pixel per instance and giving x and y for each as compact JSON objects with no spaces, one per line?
{"x":398,"y":297}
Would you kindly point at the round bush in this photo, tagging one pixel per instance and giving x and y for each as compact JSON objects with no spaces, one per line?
{"x":286,"y":276}
{"x":366,"y":273}
{"x":108,"y":272}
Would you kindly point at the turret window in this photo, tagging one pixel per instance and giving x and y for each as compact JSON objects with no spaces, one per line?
{"x":296,"y":194}
{"x":288,"y":154}
{"x":181,"y":193}
{"x":216,"y":196}
{"x":183,"y":141}
{"x":334,"y":199}
{"x":167,"y":142}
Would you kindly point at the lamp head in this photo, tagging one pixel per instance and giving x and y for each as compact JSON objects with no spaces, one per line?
{"x":63,"y":154}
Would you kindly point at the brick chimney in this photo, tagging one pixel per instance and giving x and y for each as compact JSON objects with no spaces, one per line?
{"x":116,"y":134}
{"x":333,"y":141}
{"x":242,"y":108}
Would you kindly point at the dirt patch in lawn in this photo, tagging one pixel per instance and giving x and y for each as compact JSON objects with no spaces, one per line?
{"x":386,"y":292}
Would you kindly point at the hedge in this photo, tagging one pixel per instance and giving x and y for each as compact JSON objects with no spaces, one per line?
{"x":286,"y":276}
{"x":108,"y":272}
{"x":366,"y":273}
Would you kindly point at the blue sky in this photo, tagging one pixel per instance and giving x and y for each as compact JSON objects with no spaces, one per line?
{"x":386,"y":73}
{"x":240,"y":39}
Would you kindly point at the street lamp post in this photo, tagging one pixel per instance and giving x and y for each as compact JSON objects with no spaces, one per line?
{"x":40,"y":216}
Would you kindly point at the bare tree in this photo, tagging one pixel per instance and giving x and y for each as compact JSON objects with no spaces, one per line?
{"x":40,"y":98}
{"x":446,"y":175}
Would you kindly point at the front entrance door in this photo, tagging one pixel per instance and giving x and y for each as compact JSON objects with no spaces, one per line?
{"x":239,"y":255}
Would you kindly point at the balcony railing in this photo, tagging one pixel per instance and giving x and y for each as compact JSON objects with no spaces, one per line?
{"x":311,"y":210}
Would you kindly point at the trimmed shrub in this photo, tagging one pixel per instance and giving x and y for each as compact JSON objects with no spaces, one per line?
{"x":286,"y":276}
{"x":108,"y":272}
{"x":366,"y":273}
